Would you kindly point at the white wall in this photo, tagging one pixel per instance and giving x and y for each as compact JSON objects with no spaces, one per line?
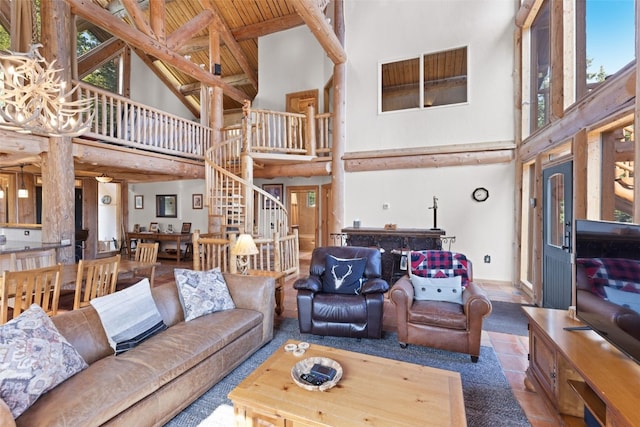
{"x":183,"y":189}
{"x":290,"y":61}
{"x":413,"y":28}
{"x":147,"y":88}
{"x":385,"y":30}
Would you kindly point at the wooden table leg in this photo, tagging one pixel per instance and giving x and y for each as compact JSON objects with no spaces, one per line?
{"x":279,"y":295}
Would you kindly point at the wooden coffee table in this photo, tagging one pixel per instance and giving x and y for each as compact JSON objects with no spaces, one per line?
{"x":373,"y":391}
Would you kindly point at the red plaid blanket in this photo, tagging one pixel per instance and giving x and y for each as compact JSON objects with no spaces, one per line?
{"x":433,"y":263}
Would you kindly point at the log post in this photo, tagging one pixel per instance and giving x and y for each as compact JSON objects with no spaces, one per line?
{"x":336,"y":213}
{"x":58,"y":173}
{"x":310,"y":134}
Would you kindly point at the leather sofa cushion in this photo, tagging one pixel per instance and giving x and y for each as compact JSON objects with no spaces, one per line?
{"x":339,"y":308}
{"x":441,"y":314}
{"x":130,"y":377}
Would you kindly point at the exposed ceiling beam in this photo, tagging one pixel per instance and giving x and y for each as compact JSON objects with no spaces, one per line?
{"x":194,"y":88}
{"x":189,"y":29}
{"x":315,"y":20}
{"x":267,"y":27}
{"x":231,"y":43}
{"x":157,"y":19}
{"x":137,"y":15}
{"x":89,"y":11}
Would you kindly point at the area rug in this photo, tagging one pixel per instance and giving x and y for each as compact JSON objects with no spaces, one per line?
{"x":488,"y":398}
{"x":506,"y":317}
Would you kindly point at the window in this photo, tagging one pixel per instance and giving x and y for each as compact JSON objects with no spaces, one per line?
{"x":442,"y":76}
{"x":610,"y":38}
{"x":540,"y":69}
{"x":107,"y":75}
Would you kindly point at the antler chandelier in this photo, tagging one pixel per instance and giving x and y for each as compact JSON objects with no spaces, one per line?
{"x":33,"y":97}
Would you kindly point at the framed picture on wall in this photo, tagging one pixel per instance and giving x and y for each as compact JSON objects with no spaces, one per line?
{"x":138,"y":202}
{"x":167,"y":206}
{"x":196,"y":201}
{"x":276,"y":191}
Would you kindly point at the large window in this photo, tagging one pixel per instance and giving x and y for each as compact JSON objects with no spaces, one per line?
{"x":427,"y":81}
{"x":610,"y":38}
{"x":540,"y":69}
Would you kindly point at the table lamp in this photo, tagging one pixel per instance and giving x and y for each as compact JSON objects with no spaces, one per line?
{"x":242,"y":248}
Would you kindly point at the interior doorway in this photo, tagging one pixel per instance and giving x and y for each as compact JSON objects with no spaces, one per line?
{"x":303,"y":214}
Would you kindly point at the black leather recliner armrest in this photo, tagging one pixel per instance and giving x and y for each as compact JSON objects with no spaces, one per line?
{"x":311,"y":283}
{"x":374,"y":285}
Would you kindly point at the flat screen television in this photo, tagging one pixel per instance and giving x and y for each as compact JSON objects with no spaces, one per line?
{"x":607,"y":263}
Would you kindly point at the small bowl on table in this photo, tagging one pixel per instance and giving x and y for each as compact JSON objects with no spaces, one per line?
{"x":304,"y":367}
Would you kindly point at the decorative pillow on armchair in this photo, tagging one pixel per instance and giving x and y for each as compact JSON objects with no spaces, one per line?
{"x":343,"y":275}
{"x":437,"y":289}
{"x":439,"y":264}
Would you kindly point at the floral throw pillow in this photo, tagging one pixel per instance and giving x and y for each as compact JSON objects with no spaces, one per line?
{"x":35,"y":358}
{"x":202,"y":292}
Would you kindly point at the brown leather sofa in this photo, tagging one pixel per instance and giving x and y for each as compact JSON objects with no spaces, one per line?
{"x":356,"y":316}
{"x":151,"y":383}
{"x":444,"y":325}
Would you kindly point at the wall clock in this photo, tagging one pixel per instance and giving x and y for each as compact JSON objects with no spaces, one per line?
{"x":480,"y":194}
{"x":106,"y":199}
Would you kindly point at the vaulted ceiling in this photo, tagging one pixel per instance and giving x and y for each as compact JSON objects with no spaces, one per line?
{"x":181,"y":40}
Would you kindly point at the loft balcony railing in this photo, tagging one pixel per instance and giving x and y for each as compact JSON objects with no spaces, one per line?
{"x":120,"y":121}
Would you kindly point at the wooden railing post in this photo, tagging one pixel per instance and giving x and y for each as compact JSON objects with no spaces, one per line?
{"x":233,"y":259}
{"x":246,"y":127}
{"x":196,"y":249}
{"x":277,"y":252}
{"x":310,"y":134}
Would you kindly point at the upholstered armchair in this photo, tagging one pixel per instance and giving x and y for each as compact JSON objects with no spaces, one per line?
{"x":343,"y":294}
{"x":448,"y":324}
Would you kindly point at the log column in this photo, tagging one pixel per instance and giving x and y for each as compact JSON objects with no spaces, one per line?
{"x":58,"y":201}
{"x":336,"y":213}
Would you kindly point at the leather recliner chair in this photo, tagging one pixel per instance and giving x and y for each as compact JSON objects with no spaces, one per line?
{"x":439,"y":324}
{"x":336,"y":314}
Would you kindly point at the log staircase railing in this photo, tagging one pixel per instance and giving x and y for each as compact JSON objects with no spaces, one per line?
{"x":245,"y":206}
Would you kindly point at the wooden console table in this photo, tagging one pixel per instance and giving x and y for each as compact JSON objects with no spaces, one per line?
{"x":401,"y":238}
{"x":178,"y":238}
{"x":574,"y":369}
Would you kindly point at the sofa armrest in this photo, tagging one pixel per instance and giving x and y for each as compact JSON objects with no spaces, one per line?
{"x":476,"y":303}
{"x":310,"y":283}
{"x":6,"y":418}
{"x":401,"y":295}
{"x":254,"y":293}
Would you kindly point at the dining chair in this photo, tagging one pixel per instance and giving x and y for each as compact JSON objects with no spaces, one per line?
{"x":39,"y":286}
{"x":31,"y":260}
{"x":210,"y":252}
{"x":95,"y":278}
{"x":146,"y":253}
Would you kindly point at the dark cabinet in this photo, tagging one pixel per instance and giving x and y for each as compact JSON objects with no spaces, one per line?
{"x":390,"y":240}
